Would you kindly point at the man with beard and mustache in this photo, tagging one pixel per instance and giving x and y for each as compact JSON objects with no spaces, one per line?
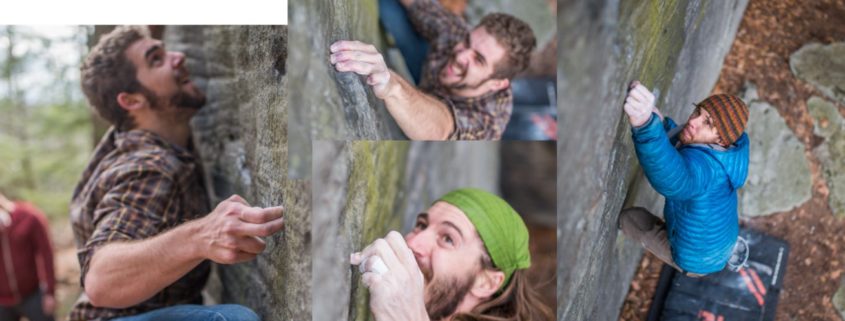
{"x":465,"y":90}
{"x":465,"y":259}
{"x":698,"y":168}
{"x":140,"y":213}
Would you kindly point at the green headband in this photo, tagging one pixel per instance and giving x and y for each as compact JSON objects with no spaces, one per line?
{"x":501,"y":229}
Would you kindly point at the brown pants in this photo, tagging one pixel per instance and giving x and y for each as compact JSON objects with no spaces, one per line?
{"x":641,"y":226}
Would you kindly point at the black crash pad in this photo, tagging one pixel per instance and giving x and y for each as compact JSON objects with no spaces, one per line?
{"x":750,"y":294}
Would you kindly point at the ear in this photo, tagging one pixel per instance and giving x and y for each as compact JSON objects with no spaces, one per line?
{"x":131,"y":102}
{"x":487,"y":283}
{"x":499,"y":84}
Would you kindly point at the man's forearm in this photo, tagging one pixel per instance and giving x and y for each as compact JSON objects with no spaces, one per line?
{"x":123,"y":274}
{"x":421,"y":117}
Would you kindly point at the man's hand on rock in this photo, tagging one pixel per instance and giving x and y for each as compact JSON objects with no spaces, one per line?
{"x":639,"y":104}
{"x":395,"y":281}
{"x":232,"y":232}
{"x":362,"y":59}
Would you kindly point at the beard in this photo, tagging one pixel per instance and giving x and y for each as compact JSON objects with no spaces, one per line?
{"x":182,"y":99}
{"x":683,"y":137}
{"x":444,"y":294}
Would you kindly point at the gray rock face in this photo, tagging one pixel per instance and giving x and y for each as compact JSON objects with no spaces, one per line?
{"x":367,"y":189}
{"x":778,"y":173}
{"x":823,"y":66}
{"x":241,"y":135}
{"x":674,"y":47}
{"x":325,"y":104}
{"x":830,"y":125}
{"x":839,"y":299}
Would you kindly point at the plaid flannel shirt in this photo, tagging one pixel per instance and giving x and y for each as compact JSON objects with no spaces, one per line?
{"x":476,"y":118}
{"x":136,"y":186}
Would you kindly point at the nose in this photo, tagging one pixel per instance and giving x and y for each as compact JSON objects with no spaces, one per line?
{"x":464,"y":56}
{"x":694,"y":122}
{"x":419,"y":244}
{"x":177,"y":58}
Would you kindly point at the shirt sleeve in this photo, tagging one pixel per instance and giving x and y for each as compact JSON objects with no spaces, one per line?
{"x":44,"y":251}
{"x":132,"y":209}
{"x":436,"y":24}
{"x":481,"y":123}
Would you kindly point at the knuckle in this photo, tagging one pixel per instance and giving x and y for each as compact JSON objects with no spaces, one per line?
{"x":228,"y":256}
{"x":227,"y":227}
{"x":380,"y":244}
{"x":265,"y":230}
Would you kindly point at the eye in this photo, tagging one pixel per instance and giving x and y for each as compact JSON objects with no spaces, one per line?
{"x":448,"y":240}
{"x":420,"y":225}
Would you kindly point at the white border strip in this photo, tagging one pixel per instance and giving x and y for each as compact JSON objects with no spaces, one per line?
{"x":145,"y":12}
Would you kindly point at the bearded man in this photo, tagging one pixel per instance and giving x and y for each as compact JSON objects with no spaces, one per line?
{"x":465,"y":91}
{"x":144,"y":232}
{"x":465,"y":259}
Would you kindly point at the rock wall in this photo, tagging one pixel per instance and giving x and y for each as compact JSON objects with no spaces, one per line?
{"x":674,"y":47}
{"x":364,"y":189}
{"x":241,"y":135}
{"x":327,"y":104}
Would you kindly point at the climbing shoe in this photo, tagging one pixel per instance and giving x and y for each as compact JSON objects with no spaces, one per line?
{"x":739,"y":255}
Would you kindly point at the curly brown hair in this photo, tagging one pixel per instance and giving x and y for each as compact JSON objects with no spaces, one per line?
{"x":107,"y":72}
{"x":517,"y":38}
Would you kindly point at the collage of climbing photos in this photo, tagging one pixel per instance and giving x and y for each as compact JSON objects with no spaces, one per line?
{"x":416,"y":160}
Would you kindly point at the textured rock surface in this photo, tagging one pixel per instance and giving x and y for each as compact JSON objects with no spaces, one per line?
{"x":674,"y":47}
{"x":241,"y":137}
{"x":363,"y":190}
{"x":823,"y":66}
{"x":830,"y":125}
{"x":839,"y":299}
{"x":778,"y":173}
{"x":326,"y":104}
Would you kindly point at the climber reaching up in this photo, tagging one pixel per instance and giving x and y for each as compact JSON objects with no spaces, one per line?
{"x":698,"y":167}
{"x":144,"y":231}
{"x":464,"y":92}
{"x":465,"y":259}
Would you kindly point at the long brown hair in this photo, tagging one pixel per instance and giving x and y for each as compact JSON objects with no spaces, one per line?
{"x":518,"y":301}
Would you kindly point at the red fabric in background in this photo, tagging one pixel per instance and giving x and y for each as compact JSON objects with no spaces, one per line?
{"x":32,"y":255}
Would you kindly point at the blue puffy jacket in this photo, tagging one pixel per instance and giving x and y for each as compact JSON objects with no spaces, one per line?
{"x":700,"y":184}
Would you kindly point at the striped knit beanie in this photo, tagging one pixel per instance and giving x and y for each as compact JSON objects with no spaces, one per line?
{"x":729,"y":114}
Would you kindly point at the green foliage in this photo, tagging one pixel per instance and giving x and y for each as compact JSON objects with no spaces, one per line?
{"x":45,"y":128}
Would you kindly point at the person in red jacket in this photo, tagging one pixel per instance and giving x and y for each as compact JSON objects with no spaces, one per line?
{"x":27,"y":281}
